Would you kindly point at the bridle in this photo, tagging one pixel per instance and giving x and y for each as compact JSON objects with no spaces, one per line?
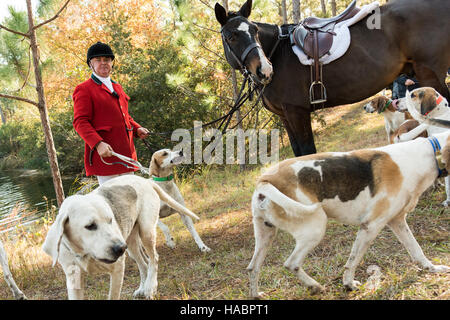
{"x":242,"y":68}
{"x":248,"y":49}
{"x":241,"y":61}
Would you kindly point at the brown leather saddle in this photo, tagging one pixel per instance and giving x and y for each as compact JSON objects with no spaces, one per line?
{"x":315,"y":37}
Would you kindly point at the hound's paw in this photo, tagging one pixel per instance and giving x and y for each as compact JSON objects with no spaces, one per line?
{"x":316,"y":289}
{"x":438,"y":269}
{"x":204,"y":248}
{"x":171,"y":244}
{"x":20,"y":296}
{"x":258,"y":296}
{"x":352,"y":285}
{"x":446,"y":203}
{"x":139,"y":294}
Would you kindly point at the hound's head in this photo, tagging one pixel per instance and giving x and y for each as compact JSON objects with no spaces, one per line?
{"x":86,"y":224}
{"x":379,"y":104}
{"x":425,"y":101}
{"x":163,"y":161}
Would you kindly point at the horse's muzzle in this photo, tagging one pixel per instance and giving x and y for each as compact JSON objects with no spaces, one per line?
{"x":264,"y":77}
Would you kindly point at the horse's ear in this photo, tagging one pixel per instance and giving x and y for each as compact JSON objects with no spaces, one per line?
{"x":246,"y":9}
{"x":221,"y":14}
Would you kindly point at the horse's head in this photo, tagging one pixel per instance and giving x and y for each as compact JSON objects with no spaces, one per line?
{"x":241,"y":44}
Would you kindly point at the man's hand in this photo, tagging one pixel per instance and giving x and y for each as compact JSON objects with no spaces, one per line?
{"x":409,"y":82}
{"x":104,"y":149}
{"x":143,"y":132}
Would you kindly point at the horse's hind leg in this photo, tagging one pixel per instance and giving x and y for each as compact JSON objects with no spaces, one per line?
{"x":432,"y":77}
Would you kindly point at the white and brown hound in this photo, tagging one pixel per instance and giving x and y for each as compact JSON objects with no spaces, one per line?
{"x":393,"y":119}
{"x":161,"y":171}
{"x":423,"y":104}
{"x":371,"y":188}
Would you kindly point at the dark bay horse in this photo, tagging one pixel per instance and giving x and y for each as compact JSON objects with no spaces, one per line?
{"x":414,"y":36}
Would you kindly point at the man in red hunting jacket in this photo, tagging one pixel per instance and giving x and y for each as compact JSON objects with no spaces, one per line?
{"x":102,"y":120}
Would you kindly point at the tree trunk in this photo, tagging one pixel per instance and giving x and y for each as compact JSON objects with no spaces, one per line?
{"x":51,"y":151}
{"x":324,"y":7}
{"x":2,"y":115}
{"x":296,"y":14}
{"x":284,"y":11}
{"x":333,"y":7}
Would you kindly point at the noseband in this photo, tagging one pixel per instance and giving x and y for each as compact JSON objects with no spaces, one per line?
{"x":247,"y":50}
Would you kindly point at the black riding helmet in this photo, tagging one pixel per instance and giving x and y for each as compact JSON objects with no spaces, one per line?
{"x":99,"y":50}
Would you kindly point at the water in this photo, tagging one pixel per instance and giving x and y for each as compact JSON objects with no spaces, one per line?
{"x":24,"y":192}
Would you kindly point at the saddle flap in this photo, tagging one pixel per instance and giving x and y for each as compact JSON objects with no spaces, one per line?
{"x":304,"y":38}
{"x":325,"y":41}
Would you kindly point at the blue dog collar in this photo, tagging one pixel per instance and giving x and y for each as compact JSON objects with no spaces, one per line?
{"x":437,"y":151}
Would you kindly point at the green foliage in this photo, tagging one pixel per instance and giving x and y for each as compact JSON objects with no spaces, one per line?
{"x":163,"y":95}
{"x":68,"y":144}
{"x":8,"y":136}
{"x":175,"y":80}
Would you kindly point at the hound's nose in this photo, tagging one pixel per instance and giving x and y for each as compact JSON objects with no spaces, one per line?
{"x":118,"y":249}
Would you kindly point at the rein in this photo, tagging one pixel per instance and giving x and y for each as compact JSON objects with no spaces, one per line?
{"x":253,"y":85}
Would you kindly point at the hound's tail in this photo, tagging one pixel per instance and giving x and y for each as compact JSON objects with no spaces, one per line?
{"x":171,"y":202}
{"x":267,"y":192}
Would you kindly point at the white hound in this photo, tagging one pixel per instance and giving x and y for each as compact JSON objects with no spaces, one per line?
{"x":91,"y":233}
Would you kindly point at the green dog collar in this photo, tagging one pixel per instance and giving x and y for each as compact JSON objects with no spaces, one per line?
{"x":386,"y":105}
{"x":168,"y":178}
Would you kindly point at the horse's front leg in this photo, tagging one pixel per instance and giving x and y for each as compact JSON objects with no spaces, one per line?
{"x":298,"y":124}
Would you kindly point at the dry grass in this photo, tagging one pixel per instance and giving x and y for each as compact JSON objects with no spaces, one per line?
{"x":221,"y":196}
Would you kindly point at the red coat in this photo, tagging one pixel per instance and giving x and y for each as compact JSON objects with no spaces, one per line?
{"x":99,"y":115}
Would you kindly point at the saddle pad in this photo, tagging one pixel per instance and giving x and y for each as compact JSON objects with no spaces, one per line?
{"x":341,"y":40}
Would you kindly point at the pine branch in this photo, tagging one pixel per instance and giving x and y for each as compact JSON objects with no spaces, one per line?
{"x":54,"y":17}
{"x":206,"y":4}
{"x":14,"y":31}
{"x":205,"y":28}
{"x":19,"y":98}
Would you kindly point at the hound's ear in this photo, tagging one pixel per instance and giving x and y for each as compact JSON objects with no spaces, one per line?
{"x":121,"y":199}
{"x":154,"y":167}
{"x":380,"y":103}
{"x":246,"y":9}
{"x":52,"y":242}
{"x":221,"y":14}
{"x":428,"y":102}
